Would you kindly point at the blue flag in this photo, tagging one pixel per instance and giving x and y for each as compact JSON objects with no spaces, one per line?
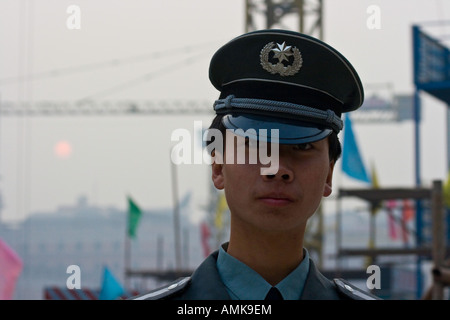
{"x":352,"y":163}
{"x":111,"y":288}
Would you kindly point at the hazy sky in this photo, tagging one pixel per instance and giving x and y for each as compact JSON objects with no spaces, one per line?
{"x":160,"y":51}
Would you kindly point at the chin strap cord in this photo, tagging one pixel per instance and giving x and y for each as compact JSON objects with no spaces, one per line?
{"x":230,"y":104}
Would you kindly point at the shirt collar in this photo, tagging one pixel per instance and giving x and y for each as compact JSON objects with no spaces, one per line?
{"x":238,"y":278}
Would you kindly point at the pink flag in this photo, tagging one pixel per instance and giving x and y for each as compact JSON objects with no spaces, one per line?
{"x":392,"y":225}
{"x":205,"y":233}
{"x":10,"y":268}
{"x":408,"y":210}
{"x":407,"y":214}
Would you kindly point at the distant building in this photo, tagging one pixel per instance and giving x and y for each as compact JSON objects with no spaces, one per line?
{"x":404,"y":105}
{"x":93,"y":237}
{"x":377,"y":108}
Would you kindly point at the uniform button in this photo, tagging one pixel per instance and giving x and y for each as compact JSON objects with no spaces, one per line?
{"x":172,"y":286}
{"x":348,"y":288}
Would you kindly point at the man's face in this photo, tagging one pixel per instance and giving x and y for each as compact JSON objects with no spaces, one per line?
{"x":283,"y":201}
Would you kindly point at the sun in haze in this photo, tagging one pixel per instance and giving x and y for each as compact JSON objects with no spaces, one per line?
{"x":62,"y":149}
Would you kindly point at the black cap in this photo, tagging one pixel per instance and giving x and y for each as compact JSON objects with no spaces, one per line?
{"x":285,"y":80}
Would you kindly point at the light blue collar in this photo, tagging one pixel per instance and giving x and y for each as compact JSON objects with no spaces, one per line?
{"x":243,"y":283}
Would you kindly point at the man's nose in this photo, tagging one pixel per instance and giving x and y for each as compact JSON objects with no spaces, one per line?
{"x":284,"y":173}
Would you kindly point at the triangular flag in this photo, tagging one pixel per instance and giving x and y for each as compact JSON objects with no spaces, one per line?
{"x":205,"y":234}
{"x":111,"y":288}
{"x":408,"y":210}
{"x":220,"y":209}
{"x":352,"y":163}
{"x":10,"y":269}
{"x":407,"y":214}
{"x":134,"y":215}
{"x":392,"y":224}
{"x":375,"y":185}
{"x":446,"y":191}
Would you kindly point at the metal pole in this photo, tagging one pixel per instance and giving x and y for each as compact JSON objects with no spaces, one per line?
{"x":320,"y":22}
{"x":448,"y":137}
{"x":338,"y":234}
{"x":301,"y":16}
{"x":248,"y":16}
{"x":419,"y":224}
{"x":127,"y":256}
{"x":176,"y":216}
{"x":417,"y":137}
{"x":269,"y":14}
{"x":159,"y":253}
{"x":438,"y":225}
{"x":372,"y":233}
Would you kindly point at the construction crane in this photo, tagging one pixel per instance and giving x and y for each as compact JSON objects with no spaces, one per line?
{"x":272,"y":14}
{"x":104,"y":108}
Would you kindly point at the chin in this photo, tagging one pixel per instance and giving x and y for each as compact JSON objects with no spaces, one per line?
{"x":281,"y":223}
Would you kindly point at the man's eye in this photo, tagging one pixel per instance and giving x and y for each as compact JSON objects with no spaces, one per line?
{"x":303,"y":146}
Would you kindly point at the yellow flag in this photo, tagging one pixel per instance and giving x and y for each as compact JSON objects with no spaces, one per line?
{"x":375,"y":185}
{"x":221,"y":207}
{"x":446,"y":191}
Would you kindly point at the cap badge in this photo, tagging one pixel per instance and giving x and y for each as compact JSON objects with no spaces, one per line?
{"x":289,"y":59}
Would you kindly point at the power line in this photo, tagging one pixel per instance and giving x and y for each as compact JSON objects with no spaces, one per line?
{"x":102,"y":65}
{"x":146,"y":77}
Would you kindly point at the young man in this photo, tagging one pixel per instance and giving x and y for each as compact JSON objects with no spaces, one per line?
{"x":284,"y":92}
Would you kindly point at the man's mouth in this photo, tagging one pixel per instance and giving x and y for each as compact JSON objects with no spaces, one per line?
{"x":276,"y":199}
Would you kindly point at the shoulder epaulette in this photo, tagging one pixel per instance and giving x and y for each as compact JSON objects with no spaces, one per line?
{"x":351,"y":291}
{"x":169,"y":290}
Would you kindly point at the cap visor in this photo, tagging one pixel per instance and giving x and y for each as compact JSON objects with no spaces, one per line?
{"x":289,"y":131}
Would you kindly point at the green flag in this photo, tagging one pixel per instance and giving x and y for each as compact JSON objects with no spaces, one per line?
{"x":134,"y":214}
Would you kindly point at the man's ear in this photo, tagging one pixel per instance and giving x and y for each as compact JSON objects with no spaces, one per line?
{"x":217,"y":174}
{"x":329,"y":181}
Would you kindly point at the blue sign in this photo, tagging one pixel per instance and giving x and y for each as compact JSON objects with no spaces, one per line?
{"x":431,"y":65}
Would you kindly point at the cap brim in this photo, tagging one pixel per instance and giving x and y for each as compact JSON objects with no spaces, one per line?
{"x":289,"y":131}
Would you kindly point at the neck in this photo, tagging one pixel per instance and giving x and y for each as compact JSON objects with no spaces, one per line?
{"x":272,"y":255}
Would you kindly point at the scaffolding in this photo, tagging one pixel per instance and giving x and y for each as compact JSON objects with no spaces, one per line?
{"x":436,"y":251}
